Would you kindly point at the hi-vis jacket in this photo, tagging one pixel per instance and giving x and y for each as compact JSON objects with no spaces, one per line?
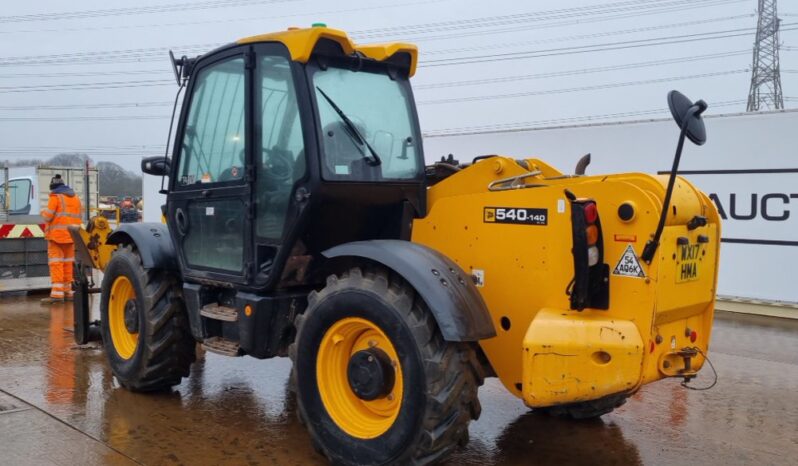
{"x":62,"y":210}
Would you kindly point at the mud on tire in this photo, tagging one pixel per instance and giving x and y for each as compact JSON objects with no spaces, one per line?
{"x":165,"y":348}
{"x":440,"y":378}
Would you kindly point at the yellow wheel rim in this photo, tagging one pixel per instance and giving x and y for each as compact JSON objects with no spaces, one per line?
{"x":358,"y":418}
{"x":124,"y":341}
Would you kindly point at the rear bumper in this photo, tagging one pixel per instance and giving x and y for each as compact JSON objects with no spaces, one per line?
{"x":572,"y":357}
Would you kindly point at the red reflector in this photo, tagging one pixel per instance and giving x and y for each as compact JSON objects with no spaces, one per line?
{"x":693,"y":336}
{"x":651,"y":346}
{"x":591,"y":212}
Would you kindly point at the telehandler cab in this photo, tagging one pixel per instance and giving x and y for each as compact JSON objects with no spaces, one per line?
{"x":301,"y":220}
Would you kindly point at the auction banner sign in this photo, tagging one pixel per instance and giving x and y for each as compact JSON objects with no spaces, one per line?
{"x":748,"y":167}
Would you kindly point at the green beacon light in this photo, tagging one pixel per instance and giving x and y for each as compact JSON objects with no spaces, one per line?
{"x":319,"y":25}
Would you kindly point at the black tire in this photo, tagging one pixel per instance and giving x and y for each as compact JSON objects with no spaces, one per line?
{"x":165,"y":348}
{"x":440,"y":378}
{"x":587,"y":409}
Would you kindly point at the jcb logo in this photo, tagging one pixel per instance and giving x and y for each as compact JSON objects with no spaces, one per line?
{"x":490,"y":214}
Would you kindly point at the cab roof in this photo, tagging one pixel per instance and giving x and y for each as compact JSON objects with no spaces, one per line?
{"x":302,"y":42}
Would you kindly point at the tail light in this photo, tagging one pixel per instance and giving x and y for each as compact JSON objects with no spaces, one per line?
{"x":590,"y":285}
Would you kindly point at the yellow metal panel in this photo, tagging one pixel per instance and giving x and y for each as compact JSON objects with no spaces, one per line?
{"x":527,"y":268}
{"x":569,"y":357}
{"x":94,"y":238}
{"x":301,"y":42}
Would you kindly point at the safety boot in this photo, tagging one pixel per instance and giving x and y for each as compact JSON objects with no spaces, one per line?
{"x":50,"y":300}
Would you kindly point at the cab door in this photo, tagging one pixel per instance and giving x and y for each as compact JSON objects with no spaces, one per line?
{"x":280,"y":133}
{"x":209,"y":201}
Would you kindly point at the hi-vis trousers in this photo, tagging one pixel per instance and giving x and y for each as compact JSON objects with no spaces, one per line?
{"x":61,"y":258}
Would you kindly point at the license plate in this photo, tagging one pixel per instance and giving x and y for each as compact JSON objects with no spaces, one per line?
{"x":688,"y":256}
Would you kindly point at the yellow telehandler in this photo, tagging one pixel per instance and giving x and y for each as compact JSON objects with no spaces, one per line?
{"x":301,"y":221}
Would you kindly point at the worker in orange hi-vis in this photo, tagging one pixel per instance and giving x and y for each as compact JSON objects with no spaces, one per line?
{"x":62,"y":210}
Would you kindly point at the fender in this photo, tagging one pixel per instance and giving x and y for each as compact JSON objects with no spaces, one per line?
{"x":449,"y":292}
{"x":152,"y":241}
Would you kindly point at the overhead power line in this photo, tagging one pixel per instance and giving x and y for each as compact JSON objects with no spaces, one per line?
{"x":427,"y":102}
{"x":540,"y":124}
{"x":578,"y":89}
{"x":86,"y":118}
{"x":238,"y":19}
{"x":166,"y":8}
{"x":87,"y":86}
{"x":588,"y":36}
{"x":148,"y":54}
{"x":86,"y":106}
{"x":563,"y":21}
{"x":79,"y":74}
{"x":439,"y":85}
{"x":95,"y":57}
{"x":536,"y":16}
{"x":48,"y":150}
{"x":608,"y":46}
{"x":600,"y":69}
{"x":139,"y":55}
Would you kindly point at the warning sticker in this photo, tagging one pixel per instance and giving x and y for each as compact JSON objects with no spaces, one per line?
{"x":629,"y":266}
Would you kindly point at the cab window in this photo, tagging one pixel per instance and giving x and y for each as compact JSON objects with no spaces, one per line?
{"x":281,"y":156}
{"x":19,"y":192}
{"x":380,"y":110}
{"x":214,"y":139}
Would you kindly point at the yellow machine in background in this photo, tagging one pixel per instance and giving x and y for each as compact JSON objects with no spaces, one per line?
{"x":395,"y":288}
{"x":92,"y":242}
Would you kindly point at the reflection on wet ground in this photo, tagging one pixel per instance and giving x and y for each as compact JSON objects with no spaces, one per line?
{"x":59,"y":404}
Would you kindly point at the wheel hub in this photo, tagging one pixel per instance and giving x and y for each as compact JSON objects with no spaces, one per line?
{"x":131,"y":316}
{"x":370,"y":374}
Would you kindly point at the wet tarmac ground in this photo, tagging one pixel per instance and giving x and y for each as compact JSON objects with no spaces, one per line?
{"x":60,"y":405}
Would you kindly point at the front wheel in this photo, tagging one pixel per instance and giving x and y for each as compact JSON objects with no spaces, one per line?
{"x":376,"y":381}
{"x":144,"y":324}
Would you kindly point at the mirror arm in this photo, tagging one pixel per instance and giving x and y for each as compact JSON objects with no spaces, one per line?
{"x":182,"y":85}
{"x":653,"y":243}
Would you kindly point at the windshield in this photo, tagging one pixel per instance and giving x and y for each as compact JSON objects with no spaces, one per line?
{"x":381,"y":111}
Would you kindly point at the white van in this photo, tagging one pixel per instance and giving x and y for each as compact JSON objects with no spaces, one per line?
{"x":29,"y":188}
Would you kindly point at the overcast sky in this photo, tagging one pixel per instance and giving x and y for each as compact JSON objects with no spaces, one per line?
{"x":531,"y":62}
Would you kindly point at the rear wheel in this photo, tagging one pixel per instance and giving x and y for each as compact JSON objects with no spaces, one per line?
{"x":144,"y":324}
{"x":376,"y":381}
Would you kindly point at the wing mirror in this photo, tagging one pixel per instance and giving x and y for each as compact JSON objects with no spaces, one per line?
{"x":687,"y":115}
{"x":156,"y":165}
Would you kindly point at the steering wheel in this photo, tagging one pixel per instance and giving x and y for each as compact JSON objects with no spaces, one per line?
{"x":278,"y":168}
